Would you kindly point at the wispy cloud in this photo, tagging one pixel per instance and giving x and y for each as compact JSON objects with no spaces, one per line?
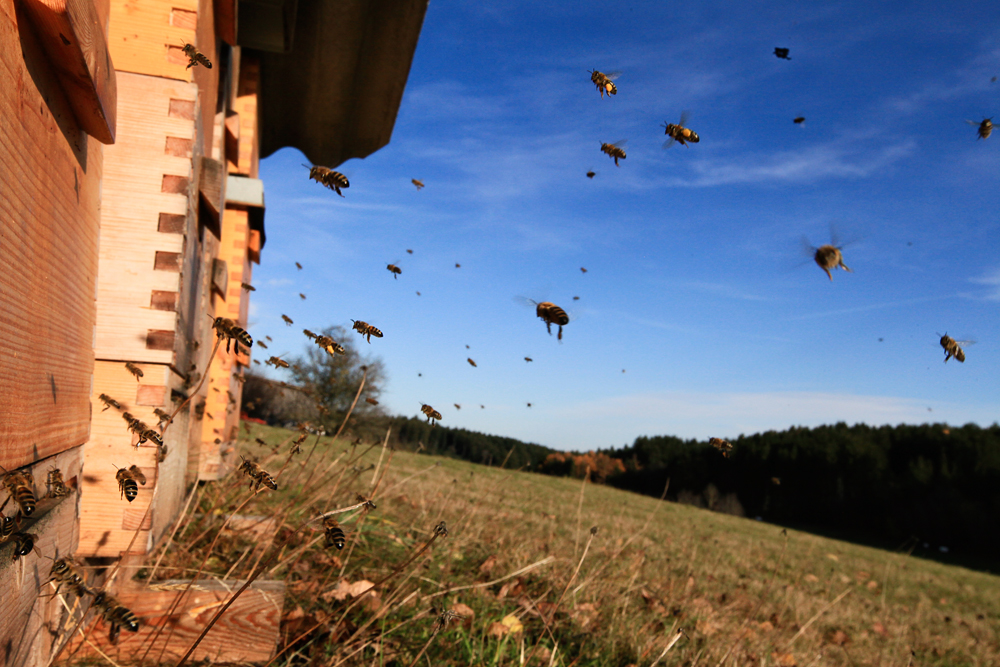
{"x":873,"y":306}
{"x":992,"y":282}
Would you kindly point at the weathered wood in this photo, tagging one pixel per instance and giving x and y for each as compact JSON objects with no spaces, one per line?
{"x":71,"y":33}
{"x":146,"y":37}
{"x":246,"y":106}
{"x":212,"y":188}
{"x":49,"y":202}
{"x":220,"y":276}
{"x":226,"y":20}
{"x":247,"y":632}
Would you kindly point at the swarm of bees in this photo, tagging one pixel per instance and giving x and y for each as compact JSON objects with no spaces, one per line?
{"x":615,"y":150}
{"x":133,"y":369}
{"x":115,"y":614}
{"x":328,"y":177}
{"x":419,"y":184}
{"x":394,"y":270}
{"x":196,"y":57}
{"x":605,"y":82}
{"x":226,"y":329}
{"x":984,"y":129}
{"x":680,"y":134}
{"x":257,"y":474}
{"x":127,"y":478}
{"x":953,"y":349}
{"x":366,"y":330}
{"x":723,"y":446}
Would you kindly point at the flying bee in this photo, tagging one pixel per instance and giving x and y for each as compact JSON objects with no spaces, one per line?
{"x":781,"y":53}
{"x":436,"y":416}
{"x":328,"y":177}
{"x":953,"y":348}
{"x":24,"y":543}
{"x":798,"y":120}
{"x":261,"y":343}
{"x":196,"y":57}
{"x":457,"y":406}
{"x":163,"y":417}
{"x":679,"y":133}
{"x":66,"y":571}
{"x":56,"y":485}
{"x":269,"y":339}
{"x":297,"y":265}
{"x":109,"y":403}
{"x":368,"y":503}
{"x":431,"y":413}
{"x":723,"y":446}
{"x":471,"y":362}
{"x":256,"y":473}
{"x":277,"y":362}
{"x":288,"y":320}
{"x":583,"y":270}
{"x":576,"y":298}
{"x":529,"y":405}
{"x":419,"y":184}
{"x":984,"y":128}
{"x":457,"y":265}
{"x":127,"y":483}
{"x":332,"y":347}
{"x":133,"y":369}
{"x":395,"y":270}
{"x":827,"y":256}
{"x":227,"y":329}
{"x":605,"y":82}
{"x":551,"y":314}
{"x":297,"y":445}
{"x":591,"y":173}
{"x":366,"y":329}
{"x":615,"y":150}
{"x":309,"y":334}
{"x":334,"y":534}
{"x":115,"y":615}
{"x":371,"y":400}
{"x":302,"y":296}
{"x":248,"y":287}
{"x":161,"y":454}
{"x":20,"y":484}
{"x":418,"y":293}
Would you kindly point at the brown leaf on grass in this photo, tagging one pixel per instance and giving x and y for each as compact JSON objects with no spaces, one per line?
{"x":766,"y":626}
{"x":707,"y":627}
{"x":652,"y":602}
{"x":838,"y":637}
{"x":465,"y":612}
{"x":586,"y":615}
{"x":511,"y":588}
{"x":880,"y":630}
{"x":784,"y":659}
{"x":497,"y":629}
{"x":345,"y":588}
{"x":487,"y":565}
{"x":872,"y":585}
{"x":811,"y":578}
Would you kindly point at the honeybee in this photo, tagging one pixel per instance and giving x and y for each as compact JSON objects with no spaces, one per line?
{"x":529,"y":405}
{"x":226,"y":329}
{"x":366,"y":329}
{"x":371,"y":400}
{"x":261,"y":343}
{"x":827,"y":256}
{"x":134,"y":370}
{"x":984,"y":128}
{"x":277,"y":362}
{"x":419,"y":184}
{"x":723,"y":446}
{"x":297,"y":265}
{"x":331,"y":346}
{"x":8,"y":525}
{"x":798,"y":120}
{"x":605,"y":82}
{"x":952,"y":348}
{"x":115,"y":615}
{"x":297,"y":445}
{"x":583,"y":270}
{"x":269,"y":339}
{"x":457,"y":265}
{"x":196,"y":57}
{"x":334,"y":534}
{"x":528,"y":359}
{"x":781,"y":53}
{"x":309,"y":334}
{"x":161,"y":454}
{"x":24,"y":543}
{"x":431,"y":413}
{"x":248,"y":287}
{"x":576,"y":298}
{"x":256,"y":362}
{"x":127,"y":478}
{"x":457,"y":406}
{"x":328,"y":177}
{"x":109,"y":403}
{"x":471,"y":362}
{"x":56,"y":485}
{"x":395,"y":270}
{"x":163,"y":417}
{"x":20,"y":484}
{"x":288,"y":320}
{"x":551,"y":314}
{"x":256,"y":473}
{"x":302,"y":296}
{"x":591,"y":173}
{"x":679,"y":133}
{"x":66,"y":571}
{"x":418,"y":293}
{"x":368,"y":503}
{"x":615,"y":150}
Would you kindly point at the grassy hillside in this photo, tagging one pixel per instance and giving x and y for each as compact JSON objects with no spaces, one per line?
{"x":744,"y":592}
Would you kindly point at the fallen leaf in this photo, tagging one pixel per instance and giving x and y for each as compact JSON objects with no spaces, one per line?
{"x":880,"y":630}
{"x":497,"y":629}
{"x":784,"y":659}
{"x":872,"y":585}
{"x":487,"y":565}
{"x":838,"y":637}
{"x":512,"y":623}
{"x":707,"y":627}
{"x":765,"y":626}
{"x":833,"y":557}
{"x":811,"y":578}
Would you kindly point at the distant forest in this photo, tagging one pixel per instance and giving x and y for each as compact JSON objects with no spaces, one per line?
{"x":898,"y":485}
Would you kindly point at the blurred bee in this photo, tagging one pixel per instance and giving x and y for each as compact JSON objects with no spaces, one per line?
{"x":368,"y":503}
{"x":115,"y":615}
{"x":309,"y":334}
{"x":226,"y":329}
{"x":331,"y":346}
{"x":277,"y":363}
{"x":679,"y":133}
{"x":297,"y":445}
{"x":133,"y":369}
{"x":395,"y":270}
{"x":20,"y":484}
{"x":798,"y":120}
{"x":827,"y":256}
{"x":66,"y":571}
{"x":418,"y":293}
{"x":471,"y":362}
{"x":591,"y":173}
{"x":334,"y":534}
{"x":952,"y":348}
{"x":723,"y":446}
{"x":457,"y":406}
{"x":328,"y":177}
{"x":302,"y":296}
{"x":985,"y":128}
{"x":248,"y":287}
{"x":466,"y":347}
{"x":529,"y":405}
{"x":256,"y":362}
{"x":583,"y":270}
{"x":161,"y":454}
{"x":551,"y":314}
{"x":576,"y":298}
{"x":298,"y":266}
{"x":196,"y":57}
{"x":269,"y":339}
{"x":419,"y":184}
{"x":776,"y":481}
{"x":8,"y":524}
{"x":615,"y":150}
{"x":261,"y":343}
{"x":483,"y":407}
{"x":193,"y":345}
{"x":56,"y":485}
{"x":432,"y":414}
{"x":605,"y":82}
{"x":528,"y":359}
{"x":24,"y":543}
{"x":127,"y":482}
{"x":781,"y":53}
{"x":256,"y":473}
{"x":288,"y":320}
{"x":371,"y":400}
{"x":457,"y":265}
{"x":366,"y":329}
{"x":209,"y":415}
{"x":163,"y":417}
{"x":109,"y":403}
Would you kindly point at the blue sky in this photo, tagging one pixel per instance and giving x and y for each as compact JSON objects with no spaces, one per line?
{"x":697,"y":285}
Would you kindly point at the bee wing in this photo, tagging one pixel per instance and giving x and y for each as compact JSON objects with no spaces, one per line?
{"x":684,"y":117}
{"x":669,"y":142}
{"x":972,"y":123}
{"x":613,"y":75}
{"x":525,"y":301}
{"x":965,"y":343}
{"x":620,"y":144}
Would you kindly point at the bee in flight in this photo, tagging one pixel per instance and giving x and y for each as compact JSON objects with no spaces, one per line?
{"x":418,"y":293}
{"x":781,"y":53}
{"x":551,"y":314}
{"x":127,"y":478}
{"x":134,"y":370}
{"x":24,"y":543}
{"x":309,"y":334}
{"x":328,"y":177}
{"x":583,"y":270}
{"x":605,"y":82}
{"x":457,"y":406}
{"x":196,"y":57}
{"x":331,"y":346}
{"x":115,"y":615}
{"x":257,"y":474}
{"x":66,"y":571}
{"x":827,"y":256}
{"x":366,"y":329}
{"x":529,"y":405}
{"x":528,"y":359}
{"x":302,"y":296}
{"x":56,"y":485}
{"x":226,"y":329}
{"x":334,"y":534}
{"x":576,"y":298}
{"x":20,"y":484}
{"x":431,"y":413}
{"x":410,"y":252}
{"x":798,"y":120}
{"x":419,"y":184}
{"x":723,"y":446}
{"x":680,"y":133}
{"x":298,"y":266}
{"x":277,"y":362}
{"x":262,"y":344}
{"x":615,"y":150}
{"x":394,"y":270}
{"x":109,"y":403}
{"x":371,"y":400}
{"x":248,"y":287}
{"x":985,"y":128}
{"x":288,"y":320}
{"x":953,"y":348}
{"x":471,"y":362}
{"x":591,"y":173}
{"x":269,"y":339}
{"x":457,"y":265}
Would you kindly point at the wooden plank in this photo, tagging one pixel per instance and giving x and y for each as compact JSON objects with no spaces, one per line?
{"x":226,"y":20}
{"x":71,"y":33}
{"x":49,"y":202}
{"x":212,"y":187}
{"x":246,"y":106}
{"x":247,"y":632}
{"x":134,"y":206}
{"x":146,"y":37}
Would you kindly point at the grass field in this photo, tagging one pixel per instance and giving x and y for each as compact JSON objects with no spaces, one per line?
{"x":742,"y":591}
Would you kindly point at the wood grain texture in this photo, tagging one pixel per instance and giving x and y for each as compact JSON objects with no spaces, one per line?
{"x":247,"y":632}
{"x":49,"y":202}
{"x":246,"y":107}
{"x":72,"y":35}
{"x":226,"y":18}
{"x":133,"y":204}
{"x":142,"y":34}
